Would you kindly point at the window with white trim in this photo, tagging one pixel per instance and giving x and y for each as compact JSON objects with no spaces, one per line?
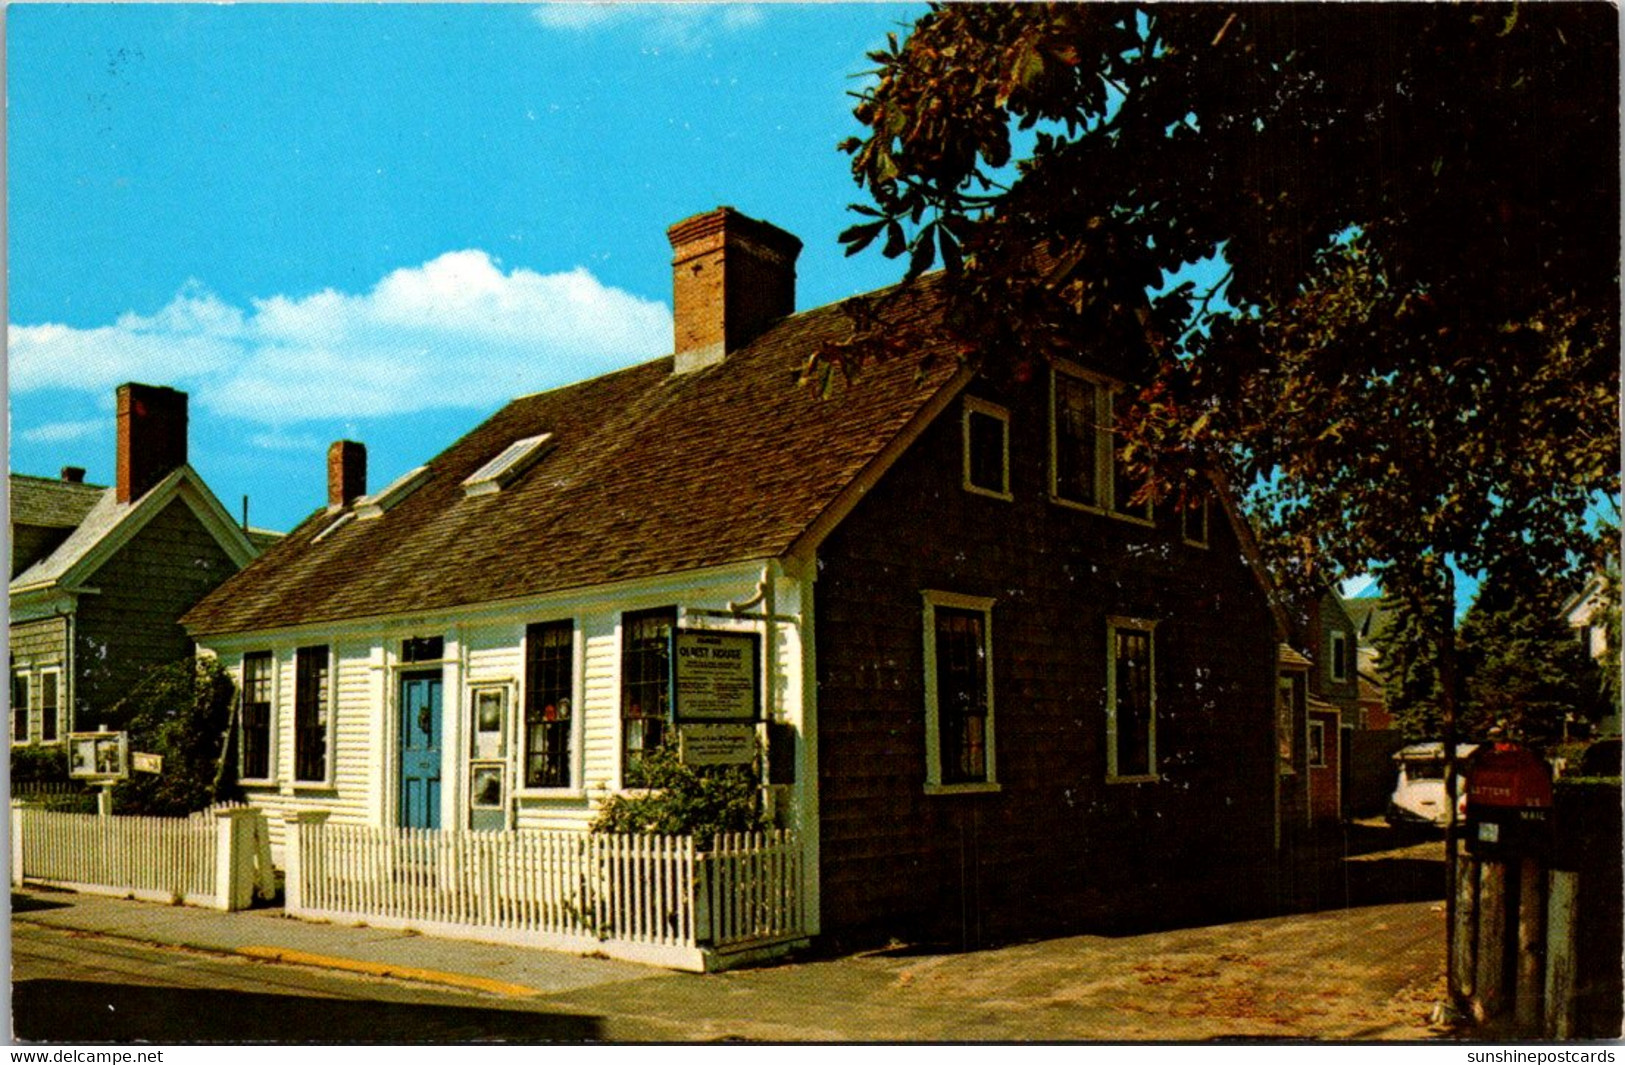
{"x":1285,"y":703}
{"x":549,"y":697}
{"x":19,"y":706}
{"x":958,"y":692}
{"x":311,"y":715}
{"x":1339,"y":656}
{"x":1085,"y":470}
{"x":512,"y":461}
{"x":645,"y":687}
{"x":255,"y":719}
{"x":1317,"y":744}
{"x":50,"y":706}
{"x":985,"y":430}
{"x":1131,"y":711}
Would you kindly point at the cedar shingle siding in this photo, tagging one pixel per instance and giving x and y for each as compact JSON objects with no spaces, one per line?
{"x":145,"y":586}
{"x":1057,"y":847}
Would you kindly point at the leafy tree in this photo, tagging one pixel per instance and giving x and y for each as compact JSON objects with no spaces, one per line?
{"x":685,"y":800}
{"x":1409,"y":663}
{"x":181,"y":711}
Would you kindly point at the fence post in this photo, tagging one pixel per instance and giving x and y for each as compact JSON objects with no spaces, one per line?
{"x":1531,"y":924}
{"x":1560,"y":954}
{"x":233,"y":858}
{"x":294,"y":856}
{"x":701,"y":862}
{"x":16,"y":843}
{"x":1489,"y":985}
{"x":1464,"y":937}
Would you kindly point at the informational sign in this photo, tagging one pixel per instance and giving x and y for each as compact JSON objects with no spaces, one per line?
{"x":103,"y":756}
{"x":716,"y":675}
{"x":716,"y":744}
{"x":146,"y":763}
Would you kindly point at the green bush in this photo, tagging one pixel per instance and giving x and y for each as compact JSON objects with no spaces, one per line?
{"x":686,"y":801}
{"x":39,"y":764}
{"x":181,"y":711}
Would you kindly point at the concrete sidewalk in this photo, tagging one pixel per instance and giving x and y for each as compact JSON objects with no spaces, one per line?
{"x":1371,"y":973}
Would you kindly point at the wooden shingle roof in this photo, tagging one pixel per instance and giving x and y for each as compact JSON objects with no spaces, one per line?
{"x":647,"y":473}
{"x":50,"y":503}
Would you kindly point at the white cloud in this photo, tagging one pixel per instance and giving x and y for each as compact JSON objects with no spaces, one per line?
{"x":63,"y":432}
{"x":456,"y":332}
{"x":683,"y":26}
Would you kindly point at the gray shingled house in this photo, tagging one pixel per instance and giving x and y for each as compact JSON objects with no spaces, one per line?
{"x":101,"y":575}
{"x":996,"y":698}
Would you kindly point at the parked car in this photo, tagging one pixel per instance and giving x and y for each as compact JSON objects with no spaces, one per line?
{"x":1419,"y":796}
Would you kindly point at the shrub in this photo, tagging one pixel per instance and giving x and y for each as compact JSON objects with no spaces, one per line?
{"x":686,"y":800}
{"x":181,"y":711}
{"x":39,"y":764}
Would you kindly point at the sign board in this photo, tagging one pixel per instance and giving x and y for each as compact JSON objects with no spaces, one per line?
{"x":98,"y":756}
{"x":716,"y":744}
{"x":716,"y":674}
{"x":146,"y":763}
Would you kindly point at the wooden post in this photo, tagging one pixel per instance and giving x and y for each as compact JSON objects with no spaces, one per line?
{"x":1490,"y":982}
{"x":16,"y":843}
{"x":294,"y":858}
{"x":1531,"y":926}
{"x":1560,"y":953}
{"x":1464,"y":933}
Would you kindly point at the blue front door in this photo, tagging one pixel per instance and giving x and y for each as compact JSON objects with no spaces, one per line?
{"x":420,"y":750}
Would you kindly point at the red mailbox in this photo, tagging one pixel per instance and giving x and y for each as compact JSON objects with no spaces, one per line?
{"x":1509,"y":802}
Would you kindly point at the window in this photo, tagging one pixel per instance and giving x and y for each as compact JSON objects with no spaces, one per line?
{"x":50,"y":706}
{"x":1131,"y":720}
{"x":514,"y":460}
{"x":645,"y":686}
{"x":986,"y":432}
{"x":256,"y":716}
{"x":1339,"y":656}
{"x":19,"y":707}
{"x":1084,"y":469}
{"x":1193,"y":522}
{"x":310,"y":712}
{"x":423,"y":649}
{"x":549,"y":697}
{"x":1285,"y":699}
{"x":375,"y":505}
{"x":1317,"y":744}
{"x":958,"y":692}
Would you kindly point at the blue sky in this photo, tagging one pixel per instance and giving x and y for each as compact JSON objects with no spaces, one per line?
{"x":380,"y":222}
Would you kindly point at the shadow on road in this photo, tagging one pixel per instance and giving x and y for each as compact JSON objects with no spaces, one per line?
{"x":65,"y":1011}
{"x":25,"y":903}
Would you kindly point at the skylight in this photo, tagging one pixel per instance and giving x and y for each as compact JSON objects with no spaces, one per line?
{"x":514,"y":460}
{"x":373,"y":506}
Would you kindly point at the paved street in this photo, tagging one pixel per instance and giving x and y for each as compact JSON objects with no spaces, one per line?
{"x":90,"y":969}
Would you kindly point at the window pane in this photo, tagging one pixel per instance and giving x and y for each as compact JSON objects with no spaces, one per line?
{"x":19,"y":708}
{"x":256,"y":715}
{"x":48,"y":707}
{"x":961,"y":654}
{"x":1133,"y":709}
{"x":549,"y":688}
{"x":645,"y":685}
{"x":986,"y":441}
{"x":1075,"y":439}
{"x":310,"y":714}
{"x":423,"y":649}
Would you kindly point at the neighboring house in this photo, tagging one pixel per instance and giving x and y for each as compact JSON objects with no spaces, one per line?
{"x":1586,"y":613}
{"x":100,"y":576}
{"x":1326,"y":642}
{"x":996,"y":697}
{"x":1368,"y":777}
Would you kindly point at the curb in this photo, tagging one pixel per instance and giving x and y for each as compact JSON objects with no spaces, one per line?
{"x":386,"y":969}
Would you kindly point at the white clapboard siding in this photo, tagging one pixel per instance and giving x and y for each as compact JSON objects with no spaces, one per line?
{"x":161,"y":859}
{"x":641,"y":898}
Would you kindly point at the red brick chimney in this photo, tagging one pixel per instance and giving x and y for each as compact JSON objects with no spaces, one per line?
{"x":151,"y":437}
{"x":346,"y":473}
{"x":732,"y":277}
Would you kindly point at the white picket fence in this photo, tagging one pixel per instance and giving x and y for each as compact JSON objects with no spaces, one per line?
{"x":653,"y":899}
{"x":203,"y":860}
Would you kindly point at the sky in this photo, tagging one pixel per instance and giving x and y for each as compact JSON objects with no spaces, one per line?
{"x":378,"y":222}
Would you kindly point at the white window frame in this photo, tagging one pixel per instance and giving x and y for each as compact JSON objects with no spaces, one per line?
{"x":1106,"y":391}
{"x":578,"y":690}
{"x":330,"y":762}
{"x":1338,"y":665}
{"x":507,"y":465}
{"x":39,"y":715}
{"x":27,"y":678}
{"x":1149,"y":627}
{"x":973,"y":405}
{"x":273,"y":719}
{"x":934,"y":784}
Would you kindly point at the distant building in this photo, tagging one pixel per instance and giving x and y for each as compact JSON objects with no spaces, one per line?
{"x":101,"y":575}
{"x":1585,"y":612}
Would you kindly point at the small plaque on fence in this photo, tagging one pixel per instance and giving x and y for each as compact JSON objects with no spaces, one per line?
{"x":146,"y":763}
{"x":717,"y":744}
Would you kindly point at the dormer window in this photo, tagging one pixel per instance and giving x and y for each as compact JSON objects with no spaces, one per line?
{"x":373,"y":506}
{"x":514,"y":460}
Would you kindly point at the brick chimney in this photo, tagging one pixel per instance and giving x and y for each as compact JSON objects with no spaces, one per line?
{"x":346,"y":473}
{"x":732,"y":277}
{"x":151,"y":437}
